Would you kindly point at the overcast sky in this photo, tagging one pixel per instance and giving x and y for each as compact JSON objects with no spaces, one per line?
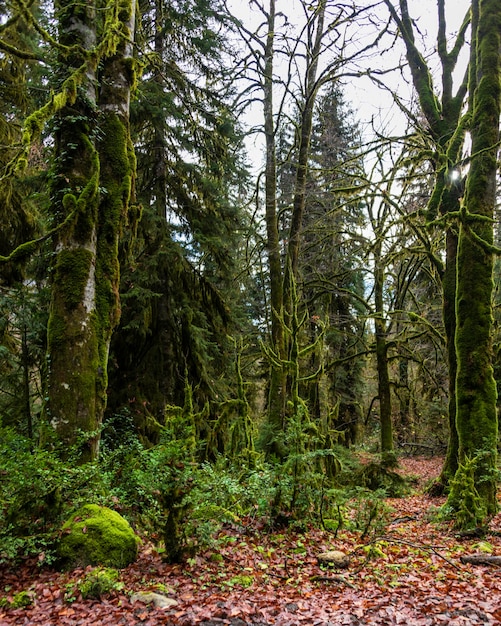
{"x":367,"y":101}
{"x":425,"y":14}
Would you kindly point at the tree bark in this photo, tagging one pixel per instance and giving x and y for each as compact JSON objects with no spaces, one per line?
{"x":93,"y":180}
{"x":384,"y":387}
{"x":476,"y":418}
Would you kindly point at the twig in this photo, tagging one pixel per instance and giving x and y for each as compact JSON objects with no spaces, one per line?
{"x":422,"y":546}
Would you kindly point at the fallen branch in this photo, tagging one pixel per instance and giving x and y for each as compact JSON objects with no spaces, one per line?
{"x":481,"y":559}
{"x":421,"y":546}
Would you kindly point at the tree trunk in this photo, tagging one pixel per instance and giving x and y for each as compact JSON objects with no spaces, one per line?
{"x":449,"y":316}
{"x":476,"y":418}
{"x":94,"y":182}
{"x":74,"y":370}
{"x":117,"y":174}
{"x":278,"y":375}
{"x":384,"y":388}
{"x":404,"y":398}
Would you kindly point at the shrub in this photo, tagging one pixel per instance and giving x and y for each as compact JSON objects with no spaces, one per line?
{"x":37,"y":491}
{"x":98,"y":583}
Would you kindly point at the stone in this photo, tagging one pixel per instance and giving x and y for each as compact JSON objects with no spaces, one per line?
{"x":334,"y":558}
{"x":97,"y":535}
{"x":149,"y":597}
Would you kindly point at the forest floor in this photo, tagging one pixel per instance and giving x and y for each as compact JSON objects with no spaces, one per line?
{"x":410,"y":574}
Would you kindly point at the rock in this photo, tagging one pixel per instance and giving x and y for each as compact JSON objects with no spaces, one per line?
{"x":96,"y":535}
{"x":333,"y":558}
{"x":149,"y":597}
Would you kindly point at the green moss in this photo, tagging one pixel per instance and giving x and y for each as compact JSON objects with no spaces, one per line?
{"x":20,"y":600}
{"x":72,"y":271}
{"x":56,"y":329}
{"x":96,"y":535}
{"x":464,"y":503}
{"x":22,"y":164}
{"x":99,"y":582}
{"x":69,"y":202}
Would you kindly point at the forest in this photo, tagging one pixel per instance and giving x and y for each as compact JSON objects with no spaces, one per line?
{"x":250,"y":302}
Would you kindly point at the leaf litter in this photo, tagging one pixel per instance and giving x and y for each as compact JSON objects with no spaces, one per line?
{"x":411,"y":574}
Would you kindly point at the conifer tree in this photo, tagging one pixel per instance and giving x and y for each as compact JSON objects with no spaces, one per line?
{"x":179,"y":293}
{"x":330,"y":266}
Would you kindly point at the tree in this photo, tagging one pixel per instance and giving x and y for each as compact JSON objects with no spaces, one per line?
{"x":91,"y":188}
{"x":445,"y":130}
{"x":330,"y":263}
{"x":180,"y":299}
{"x":406,"y":329}
{"x":314,"y":58}
{"x":477,"y":421}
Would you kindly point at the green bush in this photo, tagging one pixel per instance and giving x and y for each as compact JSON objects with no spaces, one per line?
{"x":20,"y":600}
{"x":37,"y":492}
{"x":31,"y":491}
{"x":98,"y":583}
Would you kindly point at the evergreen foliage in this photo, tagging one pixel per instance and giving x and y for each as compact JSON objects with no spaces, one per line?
{"x":22,"y":349}
{"x":331,"y":264}
{"x":178,"y":280}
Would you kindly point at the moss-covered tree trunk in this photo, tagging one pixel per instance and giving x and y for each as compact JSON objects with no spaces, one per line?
{"x":384,"y":385}
{"x":75,"y":375}
{"x":278,"y":375}
{"x":117,"y":172}
{"x":477,"y":422}
{"x":92,"y":180}
{"x":449,"y":316}
{"x":445,"y":129}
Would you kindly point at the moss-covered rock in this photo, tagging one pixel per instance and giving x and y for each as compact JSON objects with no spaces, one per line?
{"x":96,"y":535}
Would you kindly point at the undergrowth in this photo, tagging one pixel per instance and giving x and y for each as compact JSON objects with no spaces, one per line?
{"x":178,"y":502}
